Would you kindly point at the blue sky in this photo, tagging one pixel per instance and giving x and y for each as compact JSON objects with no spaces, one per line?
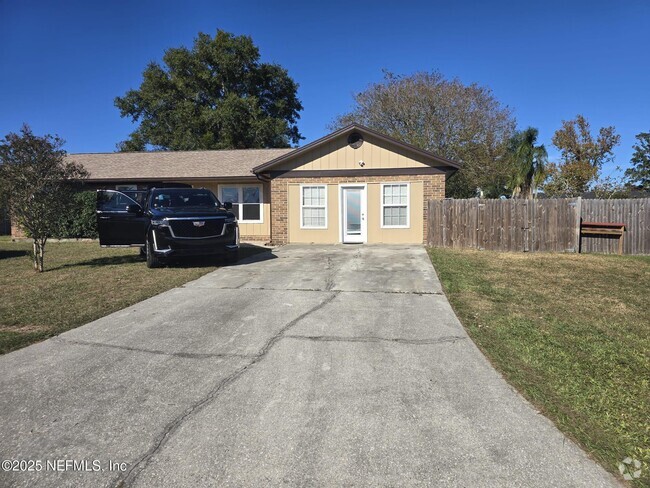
{"x":63,"y":62}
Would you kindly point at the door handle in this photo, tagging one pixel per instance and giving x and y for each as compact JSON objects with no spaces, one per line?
{"x":104,"y":218}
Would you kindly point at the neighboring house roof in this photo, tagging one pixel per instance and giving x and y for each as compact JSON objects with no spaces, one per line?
{"x":431,"y":158}
{"x":157,"y":165}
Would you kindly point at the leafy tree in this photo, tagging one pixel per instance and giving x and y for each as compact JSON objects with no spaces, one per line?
{"x":639,"y":174}
{"x":583,"y":155}
{"x":215,"y":96}
{"x":611,"y":187}
{"x":464,"y":123}
{"x":528,"y":164}
{"x":35,"y":185}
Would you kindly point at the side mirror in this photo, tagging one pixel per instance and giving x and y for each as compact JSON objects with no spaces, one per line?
{"x":227,"y":205}
{"x":134,"y":208}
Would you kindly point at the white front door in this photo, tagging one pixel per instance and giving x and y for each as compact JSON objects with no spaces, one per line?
{"x":353,"y":210}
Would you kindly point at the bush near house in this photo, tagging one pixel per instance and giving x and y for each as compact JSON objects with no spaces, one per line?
{"x":81,"y":221}
{"x":571,"y":333}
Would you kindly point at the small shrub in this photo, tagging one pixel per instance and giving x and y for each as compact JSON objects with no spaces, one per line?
{"x":81,"y":221}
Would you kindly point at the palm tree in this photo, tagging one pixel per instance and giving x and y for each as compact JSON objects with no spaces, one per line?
{"x":528,"y":164}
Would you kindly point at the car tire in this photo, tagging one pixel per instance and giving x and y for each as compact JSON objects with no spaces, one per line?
{"x":152,"y":260}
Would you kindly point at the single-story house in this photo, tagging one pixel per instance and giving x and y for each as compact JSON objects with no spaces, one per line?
{"x":353,"y":185}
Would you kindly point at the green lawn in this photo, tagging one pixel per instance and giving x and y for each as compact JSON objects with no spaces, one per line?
{"x":82,"y":282}
{"x":571,"y":332}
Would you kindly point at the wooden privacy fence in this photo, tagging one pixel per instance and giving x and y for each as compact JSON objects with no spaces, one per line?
{"x":537,"y":225}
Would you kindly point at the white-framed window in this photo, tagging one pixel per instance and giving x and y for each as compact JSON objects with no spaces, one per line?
{"x":313,"y":206}
{"x":395,"y":205}
{"x":246,"y":202}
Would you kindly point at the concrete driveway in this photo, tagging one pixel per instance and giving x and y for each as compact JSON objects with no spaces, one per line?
{"x":315,"y":366}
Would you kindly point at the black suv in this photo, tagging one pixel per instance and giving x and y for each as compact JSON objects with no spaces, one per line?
{"x":168,"y":222}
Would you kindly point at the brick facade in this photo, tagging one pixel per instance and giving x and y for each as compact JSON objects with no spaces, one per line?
{"x":17,"y":231}
{"x":279,"y":211}
{"x":254,"y":238}
{"x":433,"y":188}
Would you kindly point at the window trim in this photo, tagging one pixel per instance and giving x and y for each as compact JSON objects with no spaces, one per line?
{"x":240,"y":190}
{"x":408,"y":205}
{"x":312,"y":227}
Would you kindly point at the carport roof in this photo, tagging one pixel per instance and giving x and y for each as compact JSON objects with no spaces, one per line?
{"x":157,"y":165}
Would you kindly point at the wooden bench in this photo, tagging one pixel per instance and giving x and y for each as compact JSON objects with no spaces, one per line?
{"x":604,"y":229}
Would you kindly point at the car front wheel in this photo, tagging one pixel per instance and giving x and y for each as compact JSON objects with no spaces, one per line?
{"x":152,"y":260}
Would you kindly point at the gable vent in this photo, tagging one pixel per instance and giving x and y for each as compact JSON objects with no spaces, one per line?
{"x":355,"y":140}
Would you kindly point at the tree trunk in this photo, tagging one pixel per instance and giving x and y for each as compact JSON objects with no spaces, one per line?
{"x":35,"y":253}
{"x":39,"y":254}
{"x":41,"y":257}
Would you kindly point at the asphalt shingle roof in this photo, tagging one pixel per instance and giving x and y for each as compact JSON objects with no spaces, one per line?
{"x":174,"y":164}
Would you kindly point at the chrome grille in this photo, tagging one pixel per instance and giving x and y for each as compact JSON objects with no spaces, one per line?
{"x":188,"y":230}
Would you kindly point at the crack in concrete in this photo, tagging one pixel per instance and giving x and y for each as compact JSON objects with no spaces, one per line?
{"x":399,"y":340}
{"x":128,"y":478}
{"x":326,"y":290}
{"x":184,"y":355}
{"x":329,"y":282}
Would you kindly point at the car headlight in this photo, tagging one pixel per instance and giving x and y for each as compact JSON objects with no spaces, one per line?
{"x":160,"y":223}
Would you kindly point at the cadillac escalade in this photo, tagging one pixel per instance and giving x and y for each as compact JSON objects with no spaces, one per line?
{"x":168,"y":223}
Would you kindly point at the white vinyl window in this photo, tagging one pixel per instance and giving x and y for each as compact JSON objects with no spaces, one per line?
{"x":395,"y":205}
{"x":313,"y":207}
{"x":246,"y":202}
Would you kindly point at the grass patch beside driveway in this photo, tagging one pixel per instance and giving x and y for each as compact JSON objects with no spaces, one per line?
{"x":571,"y":332}
{"x":82,"y":282}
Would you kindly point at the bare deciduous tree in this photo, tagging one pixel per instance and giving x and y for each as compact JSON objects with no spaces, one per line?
{"x":464,"y":123}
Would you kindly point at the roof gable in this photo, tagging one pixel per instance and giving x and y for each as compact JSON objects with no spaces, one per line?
{"x":338,"y":141}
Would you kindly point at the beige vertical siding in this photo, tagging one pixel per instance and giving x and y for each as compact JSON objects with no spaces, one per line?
{"x":338,"y":155}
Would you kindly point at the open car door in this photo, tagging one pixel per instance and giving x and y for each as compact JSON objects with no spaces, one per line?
{"x":120,"y":219}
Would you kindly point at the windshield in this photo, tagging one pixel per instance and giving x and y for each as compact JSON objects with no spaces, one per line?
{"x":183,"y":197}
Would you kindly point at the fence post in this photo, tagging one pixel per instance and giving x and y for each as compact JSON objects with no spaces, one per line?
{"x":477,"y":204}
{"x":526,"y":226}
{"x":578,"y":224}
{"x":444,"y":222}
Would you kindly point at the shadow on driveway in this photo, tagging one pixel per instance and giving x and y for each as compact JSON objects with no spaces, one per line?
{"x":248,"y":253}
